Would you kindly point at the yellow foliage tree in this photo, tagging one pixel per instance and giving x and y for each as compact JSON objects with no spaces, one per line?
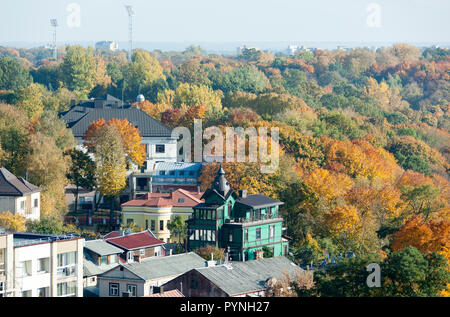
{"x":12,"y":222}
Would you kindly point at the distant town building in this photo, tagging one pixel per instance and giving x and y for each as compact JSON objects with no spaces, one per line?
{"x":241,"y":49}
{"x":107,"y":46}
{"x":243,"y":224}
{"x":38,"y":265}
{"x":234,"y":279}
{"x":155,"y":210}
{"x":146,"y":278}
{"x":19,"y":196}
{"x":136,"y":247}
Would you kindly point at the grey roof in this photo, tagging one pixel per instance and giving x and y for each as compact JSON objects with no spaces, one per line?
{"x":91,"y":269}
{"x":250,"y":276}
{"x":259,"y":201}
{"x":79,"y":117}
{"x":101,"y":247}
{"x":10,"y":185}
{"x":157,"y":267}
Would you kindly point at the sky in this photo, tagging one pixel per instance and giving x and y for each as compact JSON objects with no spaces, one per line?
{"x":410,"y":21}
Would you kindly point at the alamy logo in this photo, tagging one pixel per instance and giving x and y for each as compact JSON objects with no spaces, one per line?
{"x":262,"y":147}
{"x":374,"y":17}
{"x":74,"y":17}
{"x":374,"y":278}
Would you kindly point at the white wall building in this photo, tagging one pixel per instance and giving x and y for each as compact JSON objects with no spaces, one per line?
{"x":19,"y":196}
{"x":37,"y":265}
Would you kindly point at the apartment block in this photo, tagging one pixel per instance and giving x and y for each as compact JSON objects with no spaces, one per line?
{"x":38,"y":265}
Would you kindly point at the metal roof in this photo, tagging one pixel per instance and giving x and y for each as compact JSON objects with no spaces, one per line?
{"x":244,"y":277}
{"x":157,"y":267}
{"x":79,"y":117}
{"x":259,"y":201}
{"x":90,"y":269}
{"x":101,"y":247}
{"x":10,"y":185}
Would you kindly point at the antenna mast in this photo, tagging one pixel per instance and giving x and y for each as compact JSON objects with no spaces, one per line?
{"x":130,"y":28}
{"x":54,"y":24}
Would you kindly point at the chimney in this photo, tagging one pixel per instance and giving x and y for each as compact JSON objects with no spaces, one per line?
{"x":170,"y":252}
{"x":211,"y":262}
{"x":259,"y":255}
{"x":242,"y":193}
{"x":73,"y":102}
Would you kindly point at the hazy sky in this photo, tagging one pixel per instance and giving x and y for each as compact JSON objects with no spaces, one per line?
{"x":228,"y":20}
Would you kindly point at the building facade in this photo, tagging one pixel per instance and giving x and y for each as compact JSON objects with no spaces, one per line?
{"x":242,"y":224}
{"x":154,"y":211}
{"x":41,"y":265}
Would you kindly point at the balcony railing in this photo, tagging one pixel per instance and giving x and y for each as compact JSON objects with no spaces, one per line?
{"x":66,"y":271}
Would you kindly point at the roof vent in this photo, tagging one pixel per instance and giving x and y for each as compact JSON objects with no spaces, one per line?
{"x":140,"y":98}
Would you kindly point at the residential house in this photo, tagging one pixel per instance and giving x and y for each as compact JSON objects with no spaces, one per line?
{"x":145,"y":278}
{"x":39,"y":265}
{"x":155,"y":210}
{"x":234,"y":279}
{"x":99,"y":257}
{"x":18,"y":196}
{"x":136,"y":247}
{"x":243,"y":224}
{"x":170,"y":176}
{"x":160,"y":144}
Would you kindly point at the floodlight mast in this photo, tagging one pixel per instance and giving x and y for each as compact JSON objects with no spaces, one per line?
{"x":54,"y":24}
{"x":130,"y":28}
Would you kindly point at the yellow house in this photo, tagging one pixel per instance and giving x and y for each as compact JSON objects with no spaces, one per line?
{"x":154,"y":210}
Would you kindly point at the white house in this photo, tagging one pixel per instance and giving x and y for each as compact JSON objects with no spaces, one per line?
{"x":19,"y":196}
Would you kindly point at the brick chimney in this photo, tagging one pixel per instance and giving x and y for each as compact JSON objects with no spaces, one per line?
{"x":259,"y":255}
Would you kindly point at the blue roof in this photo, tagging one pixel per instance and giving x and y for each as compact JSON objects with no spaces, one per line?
{"x":181,"y":169}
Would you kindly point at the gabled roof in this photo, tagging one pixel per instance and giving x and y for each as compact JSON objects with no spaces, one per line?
{"x":134,"y":241}
{"x":11,"y":185}
{"x":101,"y":247}
{"x":259,"y":201}
{"x":79,"y":117}
{"x":91,"y":269}
{"x":158,"y":267}
{"x":239,"y":278}
{"x":178,"y":198}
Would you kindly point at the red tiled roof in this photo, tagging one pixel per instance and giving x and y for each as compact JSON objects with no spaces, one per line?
{"x":190,"y":199}
{"x":172,"y":293}
{"x":112,"y":234}
{"x":135,"y":240}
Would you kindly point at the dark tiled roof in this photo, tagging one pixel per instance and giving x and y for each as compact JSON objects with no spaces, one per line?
{"x":79,"y":117}
{"x":11,"y":185}
{"x":258,"y":201}
{"x":135,"y":241}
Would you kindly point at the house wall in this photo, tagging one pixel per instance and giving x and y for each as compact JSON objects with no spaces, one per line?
{"x":144,"y":215}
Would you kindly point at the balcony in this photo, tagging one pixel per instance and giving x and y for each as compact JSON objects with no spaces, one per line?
{"x":66,"y":271}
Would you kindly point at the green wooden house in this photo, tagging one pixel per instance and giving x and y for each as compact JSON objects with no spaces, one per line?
{"x":240,"y":223}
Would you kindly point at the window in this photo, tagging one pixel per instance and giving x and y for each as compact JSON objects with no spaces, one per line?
{"x":113,"y":289}
{"x":43,"y":292}
{"x":194,"y":282}
{"x":2,"y":288}
{"x":196,"y":234}
{"x":67,"y":289}
{"x":181,"y":173}
{"x":153,"y":225}
{"x":113,"y":258}
{"x":26,"y":268}
{"x":104,"y":260}
{"x":26,"y":293}
{"x":130,"y":221}
{"x":36,"y":203}
{"x":146,"y":224}
{"x":67,"y":264}
{"x":22,"y":205}
{"x":258,"y":233}
{"x":172,"y":173}
{"x":246,"y":235}
{"x":271,"y":231}
{"x":2,"y":261}
{"x":191,"y":234}
{"x":161,"y":225}
{"x":132,"y":289}
{"x":43,"y":265}
{"x":162,"y":173}
{"x":160,"y":148}
{"x":191,"y":173}
{"x":230,"y":236}
{"x":181,"y":200}
{"x":142,"y":252}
